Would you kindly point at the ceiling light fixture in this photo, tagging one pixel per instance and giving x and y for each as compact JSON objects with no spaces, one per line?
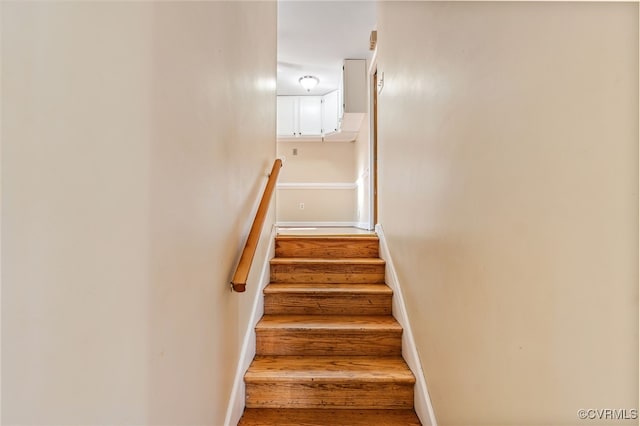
{"x":308,"y":82}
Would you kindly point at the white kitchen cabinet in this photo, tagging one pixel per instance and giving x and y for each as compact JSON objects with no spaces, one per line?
{"x":354,"y":81}
{"x":330,"y":111}
{"x":287,"y":115}
{"x":310,"y":115}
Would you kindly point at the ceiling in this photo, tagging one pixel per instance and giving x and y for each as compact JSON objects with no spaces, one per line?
{"x":314,"y":37}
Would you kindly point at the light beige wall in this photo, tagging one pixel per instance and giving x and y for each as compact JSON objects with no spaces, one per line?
{"x":509,"y":196}
{"x":317,"y":162}
{"x":361,"y":147}
{"x":135,"y":138}
{"x":363,"y":193}
{"x":320,"y":205}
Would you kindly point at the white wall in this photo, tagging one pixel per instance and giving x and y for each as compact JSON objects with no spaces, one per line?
{"x":508,"y":168}
{"x":136,"y":137}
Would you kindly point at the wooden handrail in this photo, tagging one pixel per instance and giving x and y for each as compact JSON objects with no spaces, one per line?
{"x":239,"y":281}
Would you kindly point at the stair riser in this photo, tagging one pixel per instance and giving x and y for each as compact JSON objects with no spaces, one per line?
{"x":327,"y":273}
{"x":323,"y":304}
{"x":319,"y":416}
{"x":333,"y":342}
{"x":326,"y":248}
{"x":329,"y":395}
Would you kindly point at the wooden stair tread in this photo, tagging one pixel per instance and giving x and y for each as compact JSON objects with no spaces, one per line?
{"x":325,"y":299}
{"x":323,"y":369}
{"x":327,"y":288}
{"x":330,"y":322}
{"x":317,"y":260}
{"x":365,"y":270}
{"x":324,"y":416}
{"x":327,"y":247}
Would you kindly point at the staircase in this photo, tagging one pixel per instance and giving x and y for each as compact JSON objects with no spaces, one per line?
{"x":328,"y":351}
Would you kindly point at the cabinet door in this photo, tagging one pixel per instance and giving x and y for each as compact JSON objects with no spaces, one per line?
{"x":287,"y":115}
{"x":330,"y":112}
{"x":354,"y":80}
{"x":310,"y":118}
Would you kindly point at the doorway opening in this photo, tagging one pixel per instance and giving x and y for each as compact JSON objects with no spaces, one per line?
{"x":323,"y":129}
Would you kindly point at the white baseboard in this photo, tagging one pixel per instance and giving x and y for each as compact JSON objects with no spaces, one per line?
{"x":248,"y":351}
{"x":317,"y":224}
{"x":314,"y":185}
{"x":422,"y":401}
{"x":363,"y":225}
